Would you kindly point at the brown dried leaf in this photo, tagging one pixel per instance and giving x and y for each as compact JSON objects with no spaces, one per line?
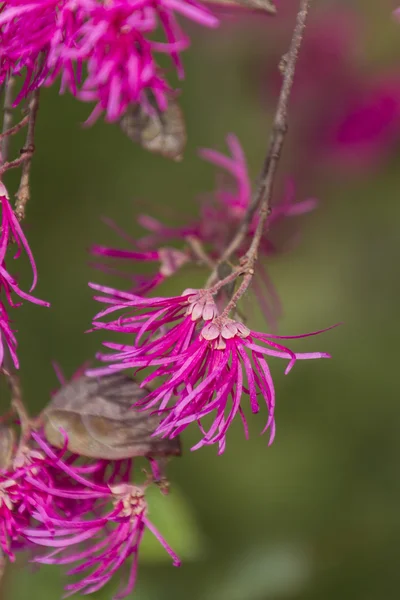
{"x":98,"y":417}
{"x":160,"y":132}
{"x":7,"y":445}
{"x":262,"y":5}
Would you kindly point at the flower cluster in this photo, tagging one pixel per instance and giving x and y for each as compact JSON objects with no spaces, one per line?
{"x":104,"y":51}
{"x":220,"y":215}
{"x":67,"y":511}
{"x":207,"y":362}
{"x":11,"y":233}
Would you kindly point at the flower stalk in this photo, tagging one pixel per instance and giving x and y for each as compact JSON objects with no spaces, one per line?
{"x":262,"y":198}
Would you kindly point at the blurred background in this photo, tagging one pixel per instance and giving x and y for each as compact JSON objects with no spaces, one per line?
{"x":317,"y":514}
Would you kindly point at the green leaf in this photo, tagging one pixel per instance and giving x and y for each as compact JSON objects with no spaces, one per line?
{"x":174,"y":519}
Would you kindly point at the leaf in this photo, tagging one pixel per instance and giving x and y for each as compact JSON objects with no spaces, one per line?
{"x":262,"y":5}
{"x":159,"y":132}
{"x":174,"y":519}
{"x":97,"y":415}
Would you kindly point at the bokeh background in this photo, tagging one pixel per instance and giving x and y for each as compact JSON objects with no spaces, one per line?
{"x":317,"y":514}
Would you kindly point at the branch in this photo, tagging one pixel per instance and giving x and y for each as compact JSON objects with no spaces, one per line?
{"x":199,"y":252}
{"x":23,"y":194}
{"x":262,"y":198}
{"x":265,"y":187}
{"x":13,"y":130}
{"x":7,"y":118}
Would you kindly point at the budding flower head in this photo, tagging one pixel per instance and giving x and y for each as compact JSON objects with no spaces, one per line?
{"x":208,"y":363}
{"x":160,"y":326}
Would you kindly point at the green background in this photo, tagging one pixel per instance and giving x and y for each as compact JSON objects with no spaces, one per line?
{"x":317,"y":514}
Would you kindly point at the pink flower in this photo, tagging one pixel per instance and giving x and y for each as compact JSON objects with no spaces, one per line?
{"x":66,"y":509}
{"x":367,"y":127}
{"x":168,"y":261}
{"x":221,"y":215}
{"x":347,"y":116}
{"x":111,"y":41}
{"x":147,"y":320}
{"x":102,"y":526}
{"x":10,"y":233}
{"x":208,"y":363}
{"x":7,"y":337}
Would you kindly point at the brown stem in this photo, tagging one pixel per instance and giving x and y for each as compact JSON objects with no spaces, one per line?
{"x":240,"y":270}
{"x":13,"y":130}
{"x":199,"y":252}
{"x":7,"y":118}
{"x":238,"y":294}
{"x":14,"y":164}
{"x":23,"y":194}
{"x":263,"y":194}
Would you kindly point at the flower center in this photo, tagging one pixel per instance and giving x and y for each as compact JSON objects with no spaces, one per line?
{"x":132,"y":498}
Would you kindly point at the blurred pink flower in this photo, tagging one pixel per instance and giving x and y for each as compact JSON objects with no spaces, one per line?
{"x":104,"y":51}
{"x":345,"y":114}
{"x":221,"y":214}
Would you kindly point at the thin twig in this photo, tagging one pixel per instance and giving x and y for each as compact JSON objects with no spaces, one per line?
{"x":7,"y":118}
{"x":267,"y":179}
{"x":17,"y":403}
{"x":17,"y":162}
{"x":263,"y":195}
{"x":23,"y":194}
{"x":15,"y":129}
{"x":199,"y":252}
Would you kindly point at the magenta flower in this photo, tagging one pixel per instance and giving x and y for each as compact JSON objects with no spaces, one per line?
{"x":69,"y":510}
{"x":7,"y":337}
{"x":168,"y":261}
{"x":32,"y":34}
{"x":26,"y":488}
{"x":110,"y":41}
{"x":10,"y":233}
{"x":103,"y":525}
{"x":221,"y":215}
{"x":208,"y":363}
{"x":364,"y":130}
{"x":347,"y":116}
{"x":162,"y":327}
{"x":212,"y":376}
